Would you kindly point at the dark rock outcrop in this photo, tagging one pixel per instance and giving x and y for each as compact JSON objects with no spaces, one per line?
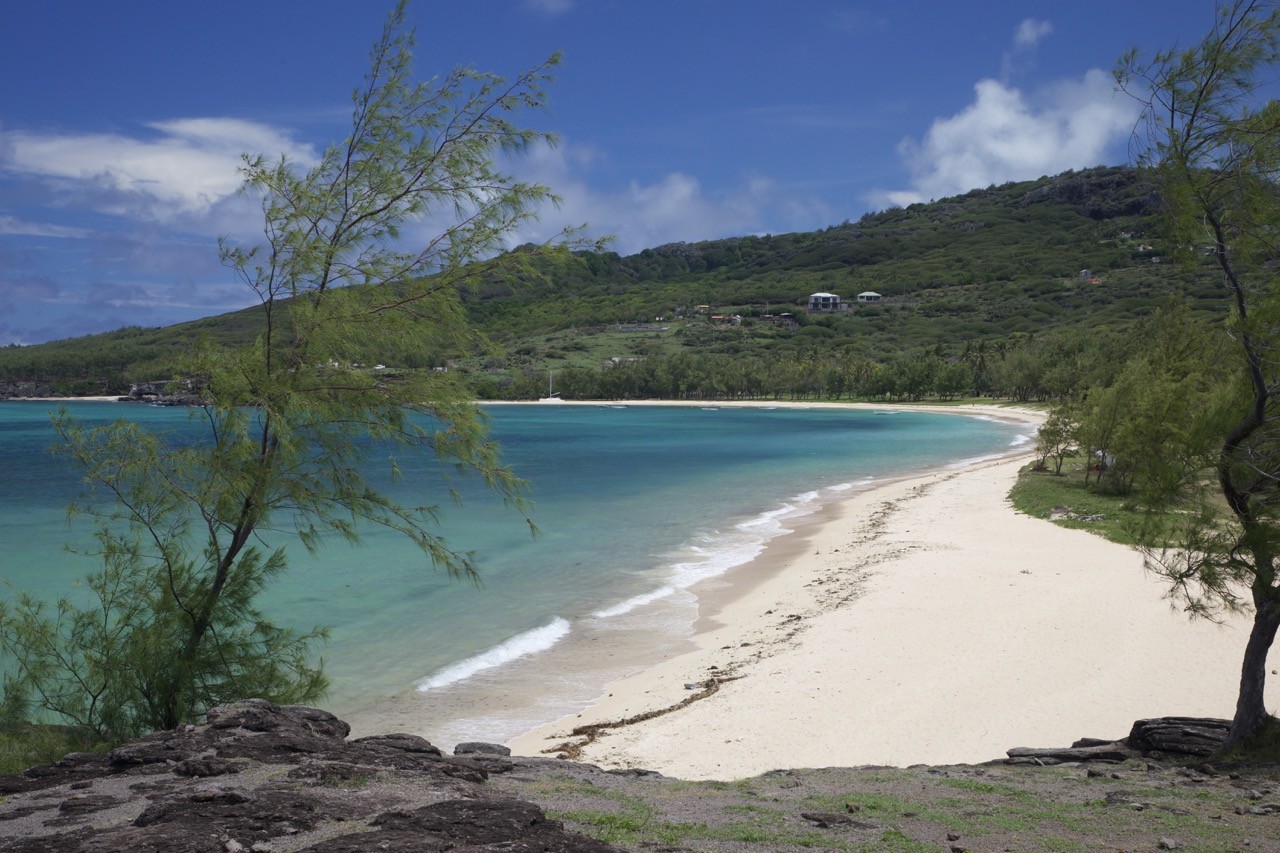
{"x":1107,"y":752}
{"x":1179,"y":735}
{"x":11,"y":390}
{"x":186,"y":393}
{"x":260,"y":776}
{"x":1160,"y":737}
{"x":1102,"y":193}
{"x":481,"y":748}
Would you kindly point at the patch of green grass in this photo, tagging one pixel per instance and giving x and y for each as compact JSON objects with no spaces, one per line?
{"x":895,"y":840}
{"x":30,"y":746}
{"x":754,"y":809}
{"x":1016,"y":810}
{"x":1011,"y":791}
{"x":611,"y":827}
{"x":882,"y":804}
{"x":637,"y":823}
{"x":1037,"y":493}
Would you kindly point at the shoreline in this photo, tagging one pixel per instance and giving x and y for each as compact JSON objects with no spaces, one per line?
{"x":922,"y":621}
{"x":1014,"y":412}
{"x":645,"y":626}
{"x":114,"y":398}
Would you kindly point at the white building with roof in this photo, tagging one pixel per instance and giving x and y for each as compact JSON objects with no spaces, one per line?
{"x":823,"y":302}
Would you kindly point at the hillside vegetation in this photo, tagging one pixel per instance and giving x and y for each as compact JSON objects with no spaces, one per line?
{"x":990,"y":272}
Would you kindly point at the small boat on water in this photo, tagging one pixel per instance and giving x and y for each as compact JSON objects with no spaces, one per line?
{"x":552,"y":395}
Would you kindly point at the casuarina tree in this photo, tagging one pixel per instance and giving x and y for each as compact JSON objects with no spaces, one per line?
{"x":374,"y":242}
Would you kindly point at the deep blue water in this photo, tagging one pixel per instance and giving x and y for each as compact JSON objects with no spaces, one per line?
{"x":633,"y":505}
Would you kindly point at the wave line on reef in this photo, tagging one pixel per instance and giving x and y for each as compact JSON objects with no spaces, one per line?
{"x":528,"y":643}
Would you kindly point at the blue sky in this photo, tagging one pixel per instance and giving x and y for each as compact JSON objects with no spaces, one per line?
{"x":121,"y":123}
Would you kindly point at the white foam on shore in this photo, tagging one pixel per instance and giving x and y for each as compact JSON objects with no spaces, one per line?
{"x":715,"y":560}
{"x":858,"y":484}
{"x":1019,"y":440}
{"x":634,"y":602}
{"x":721,"y":552}
{"x":978,"y":460}
{"x":975,"y":460}
{"x":529,"y":643}
{"x":766,"y":520}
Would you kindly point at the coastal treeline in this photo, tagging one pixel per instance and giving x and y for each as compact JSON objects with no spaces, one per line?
{"x":1022,"y":368}
{"x":1187,"y":427}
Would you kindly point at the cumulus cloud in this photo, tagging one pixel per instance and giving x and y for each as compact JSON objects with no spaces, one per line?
{"x":1007,"y":135}
{"x":673,"y":207}
{"x":1029,"y":33}
{"x":1025,"y":38}
{"x":183,"y":170}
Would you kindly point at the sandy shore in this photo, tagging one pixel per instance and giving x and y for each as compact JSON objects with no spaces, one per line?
{"x":115,"y":398}
{"x":924,"y":621}
{"x":993,"y":410}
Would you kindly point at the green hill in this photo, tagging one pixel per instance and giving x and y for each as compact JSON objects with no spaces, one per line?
{"x":994,"y":264}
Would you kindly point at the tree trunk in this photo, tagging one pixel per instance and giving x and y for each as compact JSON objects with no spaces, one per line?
{"x":1251,"y":713}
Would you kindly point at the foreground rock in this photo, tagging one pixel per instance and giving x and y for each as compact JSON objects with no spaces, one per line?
{"x":1160,"y":738}
{"x":256,"y":776}
{"x":1178,"y":735}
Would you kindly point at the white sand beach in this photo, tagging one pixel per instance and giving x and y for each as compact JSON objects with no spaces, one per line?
{"x":922,"y":621}
{"x":113,"y":398}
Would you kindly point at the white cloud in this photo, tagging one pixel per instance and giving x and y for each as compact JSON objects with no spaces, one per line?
{"x":1004,"y":135}
{"x":186,"y":170}
{"x":15,"y":226}
{"x":674,"y":207}
{"x":1029,"y":33}
{"x":1025,"y":38}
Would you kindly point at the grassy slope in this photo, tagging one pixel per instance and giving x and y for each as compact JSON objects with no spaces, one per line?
{"x":1129,"y":806}
{"x":984,"y":265}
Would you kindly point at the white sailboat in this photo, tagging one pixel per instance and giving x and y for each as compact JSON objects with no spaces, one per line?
{"x":552,"y":395}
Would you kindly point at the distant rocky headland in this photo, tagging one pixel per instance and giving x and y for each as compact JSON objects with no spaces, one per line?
{"x":254,"y":776}
{"x":25,"y":389}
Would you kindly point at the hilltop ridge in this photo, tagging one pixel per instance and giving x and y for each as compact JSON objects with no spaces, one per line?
{"x":983,"y":266}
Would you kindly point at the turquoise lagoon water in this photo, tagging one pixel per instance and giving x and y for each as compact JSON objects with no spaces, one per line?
{"x":634,"y":506}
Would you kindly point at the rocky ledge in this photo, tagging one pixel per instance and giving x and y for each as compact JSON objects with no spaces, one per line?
{"x":260,"y":777}
{"x":1177,"y":738}
{"x":185,"y":393}
{"x":12,"y":390}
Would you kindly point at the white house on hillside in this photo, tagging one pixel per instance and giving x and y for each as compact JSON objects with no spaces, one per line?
{"x":819,"y":302}
{"x":868,"y":296}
